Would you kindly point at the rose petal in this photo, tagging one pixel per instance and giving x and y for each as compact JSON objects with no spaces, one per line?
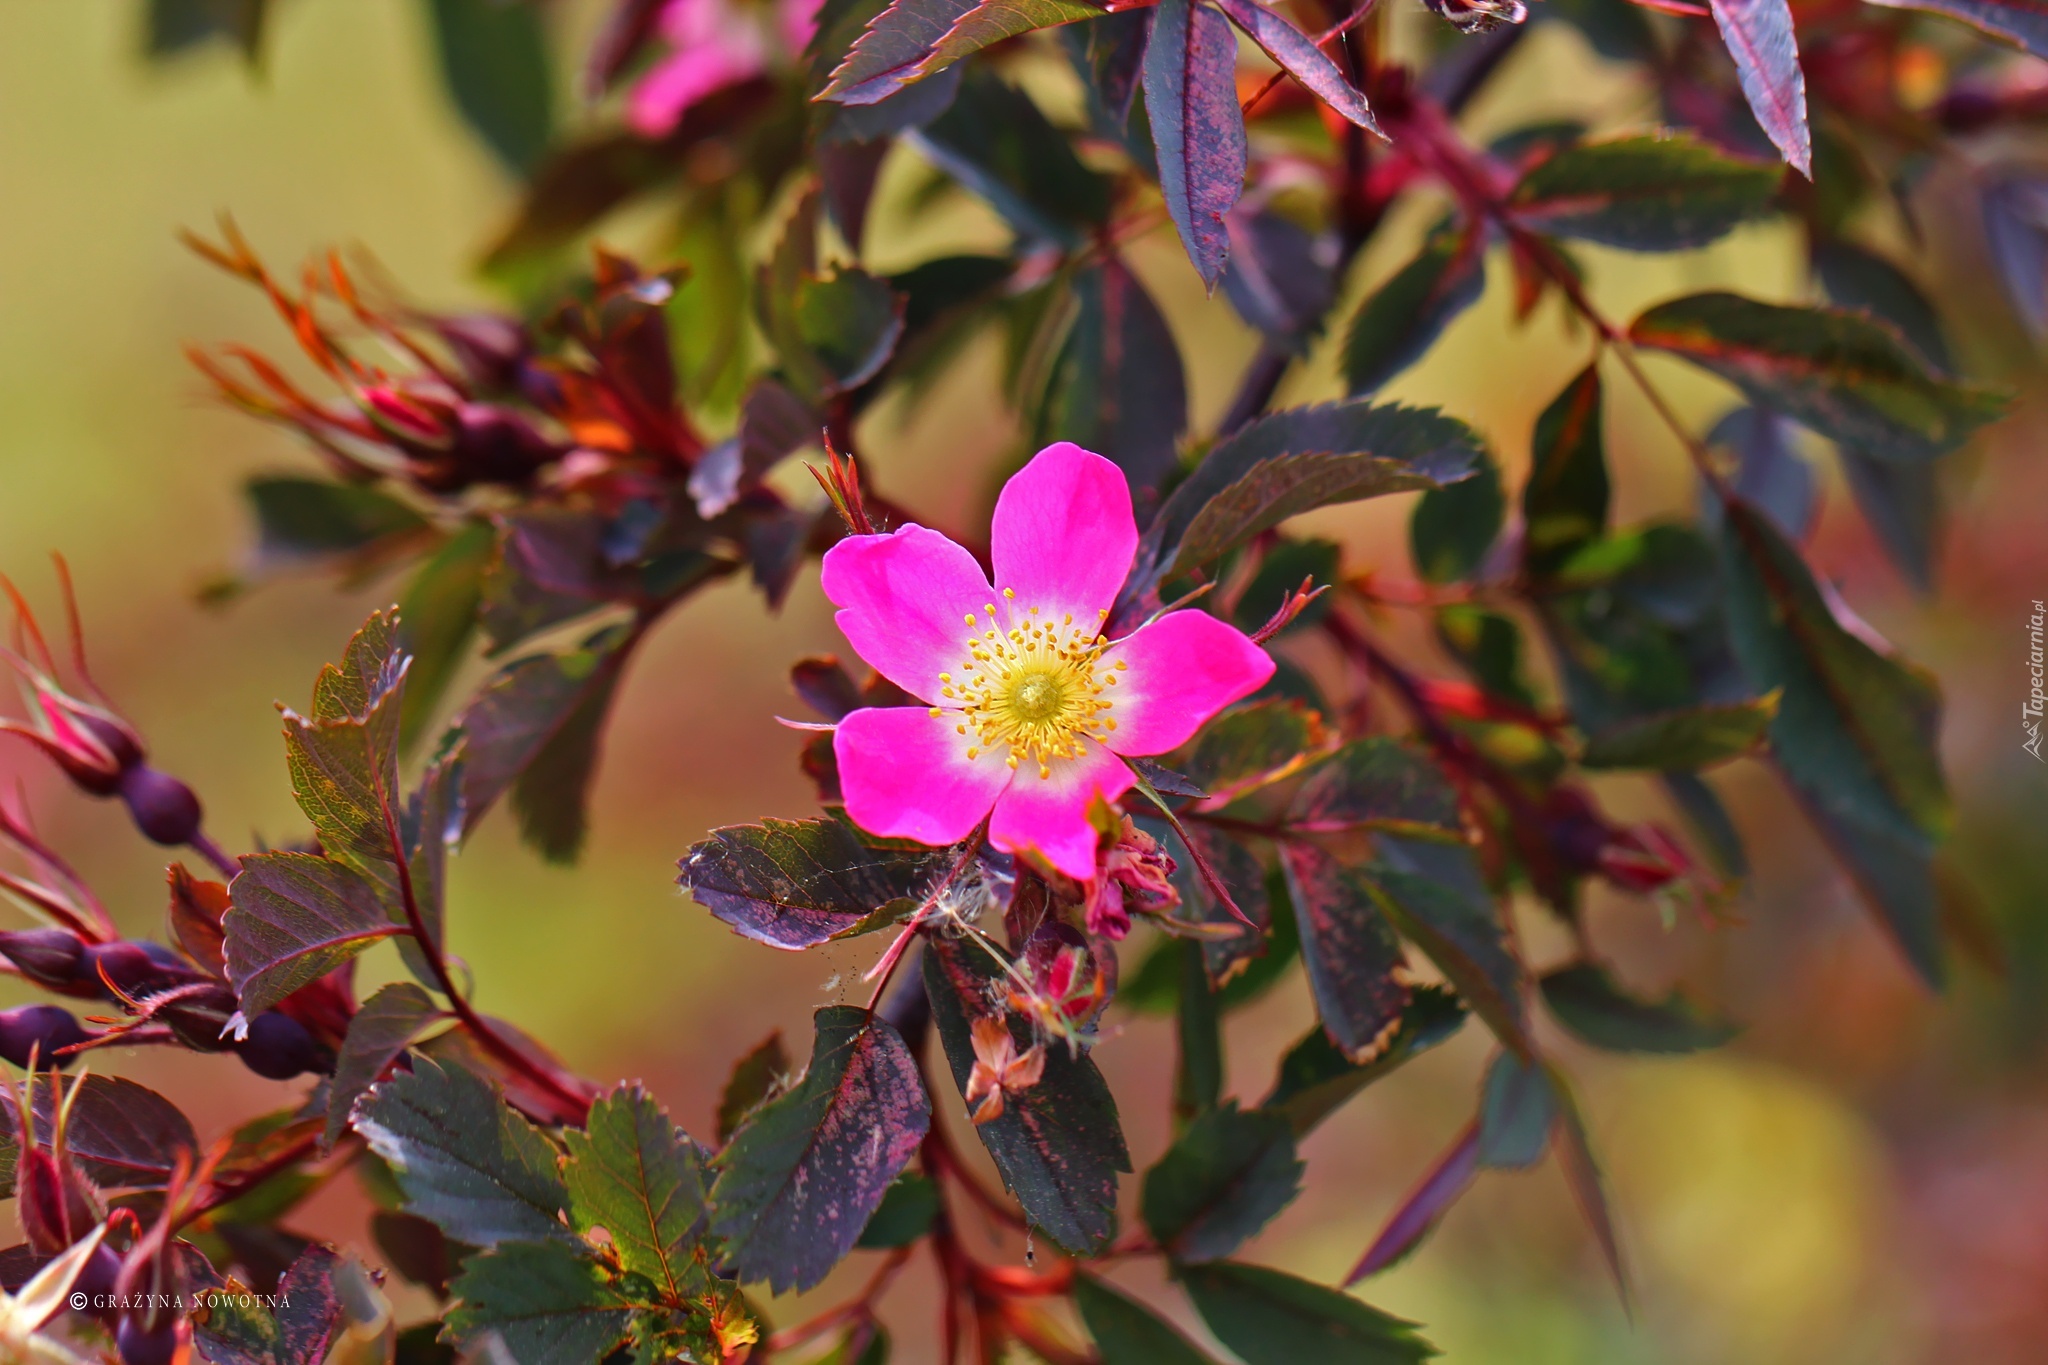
{"x":660,"y":99}
{"x":1184,"y":668}
{"x":906,"y":775}
{"x":1063,"y":536}
{"x":1050,"y":814}
{"x":905,"y":600}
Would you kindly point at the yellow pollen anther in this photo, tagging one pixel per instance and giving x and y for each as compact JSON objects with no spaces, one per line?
{"x":1038,"y":693}
{"x":1010,"y":594}
{"x":936,"y":713}
{"x":970,"y":618}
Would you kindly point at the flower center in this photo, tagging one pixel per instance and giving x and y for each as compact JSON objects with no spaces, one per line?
{"x":1036,"y":687}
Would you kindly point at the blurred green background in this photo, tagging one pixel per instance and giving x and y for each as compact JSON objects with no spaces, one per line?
{"x":1863,"y":1177}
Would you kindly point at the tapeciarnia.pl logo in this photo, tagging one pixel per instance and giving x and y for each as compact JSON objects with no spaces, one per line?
{"x":2036,"y":702}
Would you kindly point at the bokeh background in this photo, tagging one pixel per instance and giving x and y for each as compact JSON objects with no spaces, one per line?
{"x":1862,"y":1177}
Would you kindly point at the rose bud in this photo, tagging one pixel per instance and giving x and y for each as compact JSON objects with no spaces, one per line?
{"x":165,"y":810}
{"x":52,"y":958}
{"x":279,"y":1047}
{"x":38,"y":1029}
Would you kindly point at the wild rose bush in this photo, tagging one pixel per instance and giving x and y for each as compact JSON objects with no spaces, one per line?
{"x":1138,"y":747}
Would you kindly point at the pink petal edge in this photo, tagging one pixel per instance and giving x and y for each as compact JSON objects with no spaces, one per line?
{"x":906,"y":775}
{"x":1063,"y":536}
{"x":1050,"y":814}
{"x":1184,"y":668}
{"x":904,"y":600}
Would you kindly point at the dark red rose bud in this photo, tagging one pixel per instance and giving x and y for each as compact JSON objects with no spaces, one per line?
{"x":97,"y":1280}
{"x":164,"y":808}
{"x":490,"y":347}
{"x":200,"y":1019}
{"x":494,"y":445}
{"x":144,"y":1343}
{"x":39,"y":1190}
{"x":279,"y":1048}
{"x":41,"y":1029}
{"x":50,"y":957}
{"x":126,"y":967}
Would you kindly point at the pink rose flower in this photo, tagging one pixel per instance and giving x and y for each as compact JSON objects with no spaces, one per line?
{"x":712,"y":44}
{"x":1030,"y":710}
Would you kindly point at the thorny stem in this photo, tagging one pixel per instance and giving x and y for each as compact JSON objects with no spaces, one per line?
{"x":883,"y":970}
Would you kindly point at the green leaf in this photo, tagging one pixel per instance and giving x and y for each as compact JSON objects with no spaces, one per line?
{"x":1126,"y":1332}
{"x":1401,"y":320}
{"x":846,"y":324}
{"x":1644,"y":193}
{"x":1375,"y":783}
{"x":545,"y":1303}
{"x":804,"y":1175}
{"x":293,"y":918}
{"x":1356,"y":968}
{"x":1299,"y":459}
{"x":635,"y":1174}
{"x":1564,"y":504}
{"x":1435,"y":896}
{"x":1272,"y":1318}
{"x":437,"y":618}
{"x":1488,"y":645}
{"x":1058,"y":1145}
{"x":1198,"y":1062}
{"x":1454,"y":527}
{"x":1849,"y":378}
{"x":1225,"y":1177}
{"x":176,"y":26}
{"x":1683,"y":741}
{"x":754,"y":1078}
{"x":382,"y":1028}
{"x":798,"y":883}
{"x":1245,"y":743}
{"x":494,"y":61}
{"x":541,"y":714}
{"x":1586,"y":1001}
{"x":905,"y":1214}
{"x":343,"y":759}
{"x":299,"y":520}
{"x":1315,"y":1078}
{"x":1855,"y":730}
{"x":1516,"y":1109}
{"x":463,"y":1157}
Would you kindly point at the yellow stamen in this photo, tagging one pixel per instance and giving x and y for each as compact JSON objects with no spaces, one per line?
{"x":1038,"y":692}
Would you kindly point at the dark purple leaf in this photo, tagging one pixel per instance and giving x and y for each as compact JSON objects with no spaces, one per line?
{"x":1356,"y":968}
{"x":889,"y":54}
{"x":1058,"y":1145}
{"x":774,"y":423}
{"x":540,"y":714}
{"x":1197,"y":126}
{"x":1298,"y":459}
{"x":1770,"y":474}
{"x":798,"y":883}
{"x":1760,"y":39}
{"x":801,"y":1179}
{"x":1269,"y":1317}
{"x":123,"y":1135}
{"x":1564,"y":503}
{"x":385,"y":1025}
{"x":1117,"y":384}
{"x":1582,"y":1174}
{"x":296,"y":917}
{"x":312,"y":1313}
{"x":1425,"y":1205}
{"x":2024,"y":22}
{"x":1436,"y":898}
{"x":1644,"y":193}
{"x":1280,"y":278}
{"x":1516,"y":1108}
{"x":1297,"y":54}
